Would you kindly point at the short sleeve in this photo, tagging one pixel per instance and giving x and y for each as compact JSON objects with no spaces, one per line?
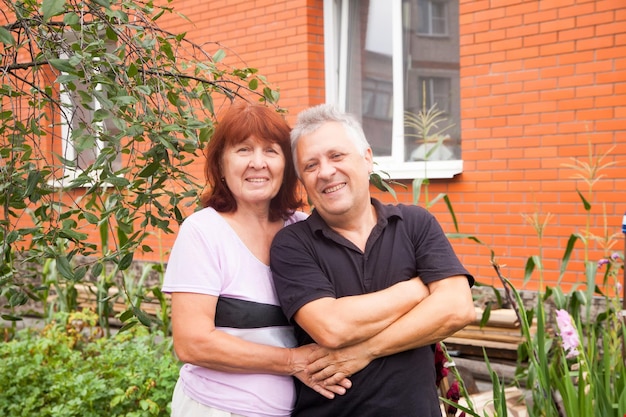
{"x":194,"y":262}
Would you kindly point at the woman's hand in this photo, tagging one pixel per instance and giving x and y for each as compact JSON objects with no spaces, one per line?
{"x":328,"y":387}
{"x":330,"y":366}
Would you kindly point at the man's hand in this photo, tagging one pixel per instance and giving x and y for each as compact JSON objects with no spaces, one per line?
{"x":334,"y":385}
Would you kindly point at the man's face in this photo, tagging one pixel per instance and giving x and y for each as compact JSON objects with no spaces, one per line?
{"x":333,"y":171}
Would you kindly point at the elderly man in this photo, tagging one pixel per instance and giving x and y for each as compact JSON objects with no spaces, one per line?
{"x":336,"y":272}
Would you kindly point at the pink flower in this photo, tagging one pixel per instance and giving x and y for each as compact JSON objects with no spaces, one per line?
{"x":602,"y":262}
{"x":568,"y":333}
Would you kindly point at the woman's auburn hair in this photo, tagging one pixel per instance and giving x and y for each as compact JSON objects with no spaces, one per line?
{"x":241,"y":121}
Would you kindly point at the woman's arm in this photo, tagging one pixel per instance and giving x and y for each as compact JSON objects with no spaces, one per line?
{"x":198,"y":342}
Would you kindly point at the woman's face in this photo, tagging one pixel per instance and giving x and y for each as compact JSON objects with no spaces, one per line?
{"x":253,"y":171}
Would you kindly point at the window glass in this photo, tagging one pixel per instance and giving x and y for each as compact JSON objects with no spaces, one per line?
{"x":394,"y":60}
{"x":369,"y":73}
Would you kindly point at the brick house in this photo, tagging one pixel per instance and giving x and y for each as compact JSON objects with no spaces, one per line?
{"x":528,"y":85}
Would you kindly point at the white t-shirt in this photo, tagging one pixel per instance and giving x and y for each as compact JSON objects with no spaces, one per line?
{"x":208,"y":257}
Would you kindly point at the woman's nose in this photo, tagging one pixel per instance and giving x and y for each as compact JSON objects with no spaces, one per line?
{"x":257,"y":159}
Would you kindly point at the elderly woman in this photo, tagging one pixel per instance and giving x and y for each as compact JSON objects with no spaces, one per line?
{"x":236,"y":344}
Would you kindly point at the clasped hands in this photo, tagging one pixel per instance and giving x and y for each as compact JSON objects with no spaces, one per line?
{"x":327,"y":370}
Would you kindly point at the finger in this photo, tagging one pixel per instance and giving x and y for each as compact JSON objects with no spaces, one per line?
{"x":337,"y":389}
{"x":322,"y":374}
{"x":324,"y":391}
{"x":321,"y":365}
{"x":336,"y":379}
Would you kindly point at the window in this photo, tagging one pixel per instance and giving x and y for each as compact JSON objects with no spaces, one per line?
{"x":82,"y":128}
{"x":388,"y":59}
{"x":432,"y":17}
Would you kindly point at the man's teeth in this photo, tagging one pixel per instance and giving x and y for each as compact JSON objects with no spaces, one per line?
{"x":333,"y":189}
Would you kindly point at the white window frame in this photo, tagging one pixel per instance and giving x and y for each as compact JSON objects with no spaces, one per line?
{"x":335,"y":55}
{"x":67,"y":145}
{"x":68,"y":150}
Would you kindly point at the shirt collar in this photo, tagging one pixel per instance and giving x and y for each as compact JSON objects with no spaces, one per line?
{"x":383,"y":211}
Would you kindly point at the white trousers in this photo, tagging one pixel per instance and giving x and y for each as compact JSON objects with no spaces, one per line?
{"x":184,"y":406}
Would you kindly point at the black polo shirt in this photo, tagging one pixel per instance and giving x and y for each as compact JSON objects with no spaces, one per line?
{"x":310,"y":261}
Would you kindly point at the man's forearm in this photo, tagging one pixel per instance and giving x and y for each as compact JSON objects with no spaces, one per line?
{"x":446,"y":310}
{"x":345,"y":321}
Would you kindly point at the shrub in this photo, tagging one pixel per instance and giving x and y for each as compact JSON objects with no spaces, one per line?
{"x":67,"y":369}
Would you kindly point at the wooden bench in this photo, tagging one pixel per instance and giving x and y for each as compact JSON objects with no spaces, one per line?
{"x":500,"y":336}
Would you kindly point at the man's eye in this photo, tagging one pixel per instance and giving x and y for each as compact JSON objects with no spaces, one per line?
{"x":336,"y":156}
{"x":309,"y":167}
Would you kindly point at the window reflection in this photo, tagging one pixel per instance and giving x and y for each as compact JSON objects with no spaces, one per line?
{"x":430,"y":62}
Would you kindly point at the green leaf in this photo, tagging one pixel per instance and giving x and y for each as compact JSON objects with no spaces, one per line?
{"x":528,"y":270}
{"x":435,"y":200}
{"x":12,"y":237}
{"x":103,"y":3}
{"x":132,"y":70}
{"x":127,"y":315}
{"x":219,"y":55}
{"x":207,"y":102}
{"x":72,"y":235}
{"x":117,"y":181}
{"x":6,"y":37}
{"x":97,"y":269}
{"x":126,"y":261}
{"x":585,"y":202}
{"x":71,"y":19}
{"x":142,"y":317}
{"x":128,"y":325}
{"x":566,"y":255}
{"x":91,"y":218}
{"x":451,"y":210}
{"x":62,"y":65}
{"x":417,"y":189}
{"x":149,"y":169}
{"x":253,"y":84}
{"x":52,"y":8}
{"x":64,"y":267}
{"x":111,"y":35}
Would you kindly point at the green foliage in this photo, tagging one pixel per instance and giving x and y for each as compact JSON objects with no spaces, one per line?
{"x":67,"y":370}
{"x":134,"y":103}
{"x":592,"y":380}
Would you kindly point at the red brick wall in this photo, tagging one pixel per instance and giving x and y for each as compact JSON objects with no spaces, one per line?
{"x":540,"y":81}
{"x":284,"y":40}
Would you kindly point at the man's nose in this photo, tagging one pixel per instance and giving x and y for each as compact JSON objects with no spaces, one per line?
{"x":327,"y":169}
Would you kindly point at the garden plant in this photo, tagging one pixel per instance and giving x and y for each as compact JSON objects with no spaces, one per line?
{"x":102,"y":111}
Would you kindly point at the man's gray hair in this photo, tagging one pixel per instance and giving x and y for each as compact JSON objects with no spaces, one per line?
{"x":311,"y":119}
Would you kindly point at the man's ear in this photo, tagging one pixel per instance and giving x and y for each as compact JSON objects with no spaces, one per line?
{"x":369,"y":159}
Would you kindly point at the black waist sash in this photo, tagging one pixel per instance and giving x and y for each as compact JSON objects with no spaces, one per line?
{"x":242,"y":314}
